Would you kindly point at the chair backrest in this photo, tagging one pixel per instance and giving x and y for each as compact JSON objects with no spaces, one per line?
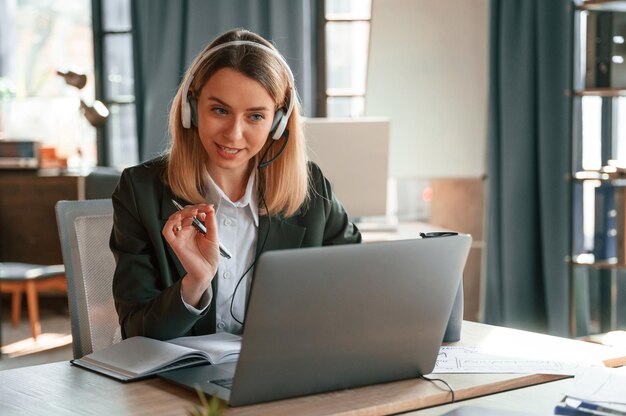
{"x":84,"y":230}
{"x":101,"y":182}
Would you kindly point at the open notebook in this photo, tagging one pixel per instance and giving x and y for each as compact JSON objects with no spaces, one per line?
{"x":139,"y":357}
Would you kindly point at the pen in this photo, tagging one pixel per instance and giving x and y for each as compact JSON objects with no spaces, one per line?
{"x":200,"y":227}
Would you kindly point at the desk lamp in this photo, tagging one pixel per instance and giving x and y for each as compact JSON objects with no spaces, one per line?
{"x":96,"y":113}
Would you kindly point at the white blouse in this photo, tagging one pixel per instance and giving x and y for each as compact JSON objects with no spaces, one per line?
{"x":237,"y":227}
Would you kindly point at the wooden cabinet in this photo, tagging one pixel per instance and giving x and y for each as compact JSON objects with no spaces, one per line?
{"x":28,"y":228}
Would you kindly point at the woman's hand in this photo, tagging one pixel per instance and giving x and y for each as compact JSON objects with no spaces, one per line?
{"x":197,"y":252}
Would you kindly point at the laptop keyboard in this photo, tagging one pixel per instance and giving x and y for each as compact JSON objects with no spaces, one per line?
{"x":226,"y":383}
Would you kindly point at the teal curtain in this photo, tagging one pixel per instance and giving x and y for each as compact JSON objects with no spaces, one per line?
{"x":167,"y":35}
{"x":528,"y":163}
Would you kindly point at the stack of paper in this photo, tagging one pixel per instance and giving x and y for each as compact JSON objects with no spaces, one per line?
{"x":596,"y":391}
{"x":455,"y":359}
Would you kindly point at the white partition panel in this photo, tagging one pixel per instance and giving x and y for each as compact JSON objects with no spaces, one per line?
{"x":353,"y":154}
{"x":427,"y":72}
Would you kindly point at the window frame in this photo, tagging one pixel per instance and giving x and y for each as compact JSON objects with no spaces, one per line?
{"x":100,"y":35}
{"x":328,"y":93}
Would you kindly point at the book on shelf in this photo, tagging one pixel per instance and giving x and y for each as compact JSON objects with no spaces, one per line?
{"x":602,"y":69}
{"x":578,"y":220}
{"x":140,"y":357}
{"x":620,"y":224}
{"x":605,"y":231}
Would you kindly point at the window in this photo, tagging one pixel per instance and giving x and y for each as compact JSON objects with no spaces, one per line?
{"x":116,"y":86}
{"x":37,"y":39}
{"x":347,"y":30}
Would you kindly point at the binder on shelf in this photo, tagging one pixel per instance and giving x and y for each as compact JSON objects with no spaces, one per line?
{"x":578,"y":229}
{"x":605,"y":230}
{"x":598,"y":71}
{"x":620,"y":224}
{"x":618,"y":50}
{"x":604,"y":55}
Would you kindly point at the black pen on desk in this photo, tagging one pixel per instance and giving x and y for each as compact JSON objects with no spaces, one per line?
{"x":201,"y":227}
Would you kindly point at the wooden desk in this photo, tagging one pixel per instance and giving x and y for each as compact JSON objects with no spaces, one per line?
{"x":61,"y":389}
{"x":537,"y":400}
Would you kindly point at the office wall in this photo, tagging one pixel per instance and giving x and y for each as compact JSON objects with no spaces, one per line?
{"x":427,"y":72}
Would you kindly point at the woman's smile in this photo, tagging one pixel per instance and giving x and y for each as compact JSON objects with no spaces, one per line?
{"x":227,"y":151}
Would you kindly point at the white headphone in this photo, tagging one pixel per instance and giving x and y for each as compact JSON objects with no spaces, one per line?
{"x":188,"y":111}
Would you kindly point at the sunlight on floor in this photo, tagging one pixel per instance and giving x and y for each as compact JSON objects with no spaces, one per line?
{"x":30,"y":346}
{"x":19,"y":349}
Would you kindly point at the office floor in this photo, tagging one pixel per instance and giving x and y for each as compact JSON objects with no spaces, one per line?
{"x":54,"y":344}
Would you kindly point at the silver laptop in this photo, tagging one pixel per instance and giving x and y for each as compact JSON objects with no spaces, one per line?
{"x":337,"y":317}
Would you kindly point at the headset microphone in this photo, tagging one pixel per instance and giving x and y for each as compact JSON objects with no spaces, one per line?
{"x":267,"y":162}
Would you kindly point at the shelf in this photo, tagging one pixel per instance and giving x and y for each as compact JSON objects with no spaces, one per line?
{"x":616,"y":179}
{"x":603,"y":6}
{"x":591,"y":175}
{"x":601,"y":92}
{"x":588,"y":260}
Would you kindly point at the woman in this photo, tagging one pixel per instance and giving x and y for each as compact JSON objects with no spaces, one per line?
{"x":238,"y":163}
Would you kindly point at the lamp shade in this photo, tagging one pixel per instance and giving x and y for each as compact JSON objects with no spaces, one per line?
{"x":96,"y":114}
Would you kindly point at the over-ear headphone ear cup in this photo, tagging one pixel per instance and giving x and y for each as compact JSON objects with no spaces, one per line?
{"x":278,"y":116}
{"x":280,"y":113}
{"x":185,"y":113}
{"x":193,"y":103}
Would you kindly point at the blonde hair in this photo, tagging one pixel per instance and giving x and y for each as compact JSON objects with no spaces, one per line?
{"x":284,"y":183}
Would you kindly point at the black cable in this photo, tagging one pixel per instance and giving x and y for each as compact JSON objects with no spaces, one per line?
{"x":438,"y":234}
{"x":256,"y":257}
{"x":432,"y":380}
{"x":267,"y":162}
{"x":269,"y":224}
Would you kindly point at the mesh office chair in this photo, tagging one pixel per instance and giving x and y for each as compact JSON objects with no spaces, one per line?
{"x":84,"y":230}
{"x":101,"y":182}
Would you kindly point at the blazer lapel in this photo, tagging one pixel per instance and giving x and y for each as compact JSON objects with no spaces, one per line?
{"x":280,"y":235}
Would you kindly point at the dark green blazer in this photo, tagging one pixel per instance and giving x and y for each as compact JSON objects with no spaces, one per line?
{"x":146,"y":284}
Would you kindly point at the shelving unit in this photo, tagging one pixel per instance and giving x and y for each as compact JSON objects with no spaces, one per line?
{"x":599,"y":74}
{"x":602,"y":5}
{"x":601,"y":92}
